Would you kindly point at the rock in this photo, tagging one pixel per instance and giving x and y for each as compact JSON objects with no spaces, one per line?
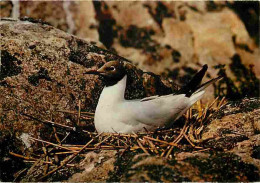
{"x":215,"y":166}
{"x":42,"y":73}
{"x":47,"y":74}
{"x":182,"y":33}
{"x":235,"y":130}
{"x":96,"y":167}
{"x":166,"y":38}
{"x":10,"y":164}
{"x":6,"y":9}
{"x":230,"y":152}
{"x":139,"y":15}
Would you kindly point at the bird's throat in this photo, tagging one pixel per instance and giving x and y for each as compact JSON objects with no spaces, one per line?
{"x":115,"y":91}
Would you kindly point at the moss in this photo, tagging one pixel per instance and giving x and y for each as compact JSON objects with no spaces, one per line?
{"x":224,"y":167}
{"x":160,"y":12}
{"x":249,"y":85}
{"x":159,"y":173}
{"x":41,"y":74}
{"x":226,"y":142}
{"x":247,"y":82}
{"x":95,"y":94}
{"x":247,"y":105}
{"x":248,"y":12}
{"x":106,"y":28}
{"x":82,"y":84}
{"x":106,"y":32}
{"x":9,"y":164}
{"x":122,"y":165}
{"x":256,"y":152}
{"x":140,"y":38}
{"x":5,"y":84}
{"x":176,"y":56}
{"x":238,"y":106}
{"x":137,"y":38}
{"x":79,"y":51}
{"x":124,"y":171}
{"x":33,"y":20}
{"x":33,"y":46}
{"x":9,"y":65}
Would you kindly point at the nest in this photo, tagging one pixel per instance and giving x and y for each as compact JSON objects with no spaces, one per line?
{"x":54,"y":156}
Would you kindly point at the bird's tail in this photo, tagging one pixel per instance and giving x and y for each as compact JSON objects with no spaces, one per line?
{"x":191,"y":100}
{"x":194,"y":85}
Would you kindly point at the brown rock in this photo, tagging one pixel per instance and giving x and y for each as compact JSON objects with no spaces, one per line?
{"x":43,"y":72}
{"x":71,"y":17}
{"x":231,"y":155}
{"x":212,"y":37}
{"x":169,"y":39}
{"x":96,"y":167}
{"x":132,"y":13}
{"x":6,"y":9}
{"x":51,"y":12}
{"x":245,"y":150}
{"x":179,"y":36}
{"x":81,"y":19}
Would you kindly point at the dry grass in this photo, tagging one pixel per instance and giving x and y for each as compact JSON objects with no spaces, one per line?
{"x":160,"y":143}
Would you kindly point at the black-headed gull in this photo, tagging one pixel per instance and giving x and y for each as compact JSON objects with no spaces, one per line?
{"x":115,"y":114}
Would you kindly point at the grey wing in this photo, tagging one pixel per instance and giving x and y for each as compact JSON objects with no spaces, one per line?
{"x":149,"y":98}
{"x":158,"y":110}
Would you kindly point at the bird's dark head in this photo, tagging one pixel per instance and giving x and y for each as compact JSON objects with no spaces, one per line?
{"x":111,"y":72}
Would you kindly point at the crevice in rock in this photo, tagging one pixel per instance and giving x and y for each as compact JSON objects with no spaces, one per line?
{"x":9,"y":65}
{"x":106,"y":23}
{"x":42,"y":74}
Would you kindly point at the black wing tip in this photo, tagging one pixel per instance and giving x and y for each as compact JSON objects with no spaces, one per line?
{"x":200,"y":74}
{"x":191,"y":87}
{"x":205,"y":67}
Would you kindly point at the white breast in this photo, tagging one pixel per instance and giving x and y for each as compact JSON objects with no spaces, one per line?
{"x":115,"y":114}
{"x":107,"y":115}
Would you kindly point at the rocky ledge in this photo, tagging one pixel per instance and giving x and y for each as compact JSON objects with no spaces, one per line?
{"x":231,"y":148}
{"x":42,"y":75}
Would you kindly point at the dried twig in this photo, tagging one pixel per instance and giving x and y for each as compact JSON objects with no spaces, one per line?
{"x":76,"y":112}
{"x":50,"y":122}
{"x":56,"y":135}
{"x":28,"y":158}
{"x":159,"y":143}
{"x":142,"y":147}
{"x":19,"y":173}
{"x":153,"y":147}
{"x":68,"y":160}
{"x":79,"y":112}
{"x":56,"y":145}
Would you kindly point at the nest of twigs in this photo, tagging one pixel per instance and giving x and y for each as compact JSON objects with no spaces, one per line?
{"x":54,"y":156}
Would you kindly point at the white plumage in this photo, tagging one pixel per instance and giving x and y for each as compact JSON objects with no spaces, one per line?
{"x":115,"y":114}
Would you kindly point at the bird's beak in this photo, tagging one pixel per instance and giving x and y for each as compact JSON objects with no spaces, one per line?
{"x":95,"y":72}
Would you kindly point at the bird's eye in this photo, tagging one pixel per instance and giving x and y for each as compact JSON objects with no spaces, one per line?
{"x":112,"y":68}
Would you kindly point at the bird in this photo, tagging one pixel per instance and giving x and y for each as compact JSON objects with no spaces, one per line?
{"x":115,"y":114}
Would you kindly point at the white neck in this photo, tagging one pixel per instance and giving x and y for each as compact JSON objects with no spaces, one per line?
{"x":115,"y":92}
